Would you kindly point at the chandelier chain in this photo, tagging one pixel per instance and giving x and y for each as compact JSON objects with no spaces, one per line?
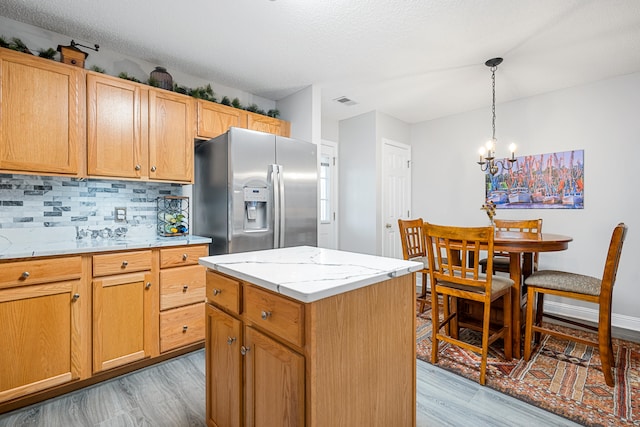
{"x":493,"y":105}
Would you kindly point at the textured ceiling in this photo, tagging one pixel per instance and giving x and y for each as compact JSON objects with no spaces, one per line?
{"x":412,"y":59}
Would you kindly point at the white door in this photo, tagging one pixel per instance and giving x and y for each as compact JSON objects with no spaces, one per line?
{"x":396,"y":194}
{"x":328,"y":224}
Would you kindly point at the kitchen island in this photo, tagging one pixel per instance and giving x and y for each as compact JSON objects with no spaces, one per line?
{"x":309,"y":336}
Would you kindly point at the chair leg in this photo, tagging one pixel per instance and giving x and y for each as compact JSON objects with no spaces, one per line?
{"x":435,"y":323}
{"x":531,"y":295}
{"x":508,"y":326}
{"x":606,"y":350}
{"x":453,"y":328}
{"x":423,"y":292}
{"x":485,"y":342}
{"x":539,"y":315}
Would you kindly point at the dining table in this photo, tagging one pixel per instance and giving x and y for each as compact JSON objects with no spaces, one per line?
{"x":521,"y":246}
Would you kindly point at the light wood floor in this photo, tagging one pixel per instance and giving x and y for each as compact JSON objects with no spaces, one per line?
{"x":171,"y":394}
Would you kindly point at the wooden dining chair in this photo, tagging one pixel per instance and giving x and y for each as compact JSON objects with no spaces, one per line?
{"x":580,"y":287}
{"x":462,"y":280}
{"x":501,"y":259}
{"x":414,"y":249}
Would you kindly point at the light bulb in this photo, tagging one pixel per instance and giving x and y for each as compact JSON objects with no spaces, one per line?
{"x":512,"y":148}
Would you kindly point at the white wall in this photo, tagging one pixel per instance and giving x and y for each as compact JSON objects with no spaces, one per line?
{"x":303,"y":110}
{"x":357,"y":170}
{"x":360,"y":152}
{"x":602,"y":118}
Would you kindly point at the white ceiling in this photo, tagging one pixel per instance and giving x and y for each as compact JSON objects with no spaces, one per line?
{"x":412,"y":59}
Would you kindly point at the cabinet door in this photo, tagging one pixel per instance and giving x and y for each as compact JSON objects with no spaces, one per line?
{"x":114,"y":139}
{"x":171,"y":133}
{"x":215,"y":119}
{"x":122,"y":319}
{"x":39,"y":337}
{"x":41,"y":115}
{"x":224,"y":369}
{"x":267,"y":124}
{"x":274,"y":383}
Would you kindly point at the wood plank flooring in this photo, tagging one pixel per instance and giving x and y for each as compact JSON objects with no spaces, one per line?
{"x":171,"y":394}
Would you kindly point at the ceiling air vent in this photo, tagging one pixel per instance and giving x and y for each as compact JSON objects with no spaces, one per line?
{"x":345,"y":101}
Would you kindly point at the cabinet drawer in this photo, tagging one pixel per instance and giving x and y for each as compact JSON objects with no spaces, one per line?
{"x":276,"y":314}
{"x":182,"y":286}
{"x":121,"y":262}
{"x":185,"y":255}
{"x":181,"y":326}
{"x":223,"y":292}
{"x":43,"y":270}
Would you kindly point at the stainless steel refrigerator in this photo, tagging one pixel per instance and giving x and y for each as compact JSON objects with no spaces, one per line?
{"x":254,"y":190}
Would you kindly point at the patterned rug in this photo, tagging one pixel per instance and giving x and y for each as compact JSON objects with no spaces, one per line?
{"x":562,"y":377}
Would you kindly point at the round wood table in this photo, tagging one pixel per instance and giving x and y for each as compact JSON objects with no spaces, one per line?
{"x":521,"y":247}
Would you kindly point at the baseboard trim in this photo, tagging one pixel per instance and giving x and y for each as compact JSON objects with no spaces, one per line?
{"x":591,"y":315}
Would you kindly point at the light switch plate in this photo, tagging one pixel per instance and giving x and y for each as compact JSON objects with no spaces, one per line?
{"x":120,"y":214}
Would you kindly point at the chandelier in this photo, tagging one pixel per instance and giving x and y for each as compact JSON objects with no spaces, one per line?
{"x":487,"y":160}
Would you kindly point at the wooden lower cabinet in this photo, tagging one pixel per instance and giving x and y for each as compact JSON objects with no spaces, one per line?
{"x":39,"y":337}
{"x":124,"y":308}
{"x":122,"y":317}
{"x":43,"y":307}
{"x":274,"y":382}
{"x":354,"y":364}
{"x":223,"y":368}
{"x":69,"y":321}
{"x":182,"y":294}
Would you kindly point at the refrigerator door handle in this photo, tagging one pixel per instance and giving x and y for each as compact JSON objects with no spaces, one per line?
{"x":281,"y":214}
{"x":275,"y":180}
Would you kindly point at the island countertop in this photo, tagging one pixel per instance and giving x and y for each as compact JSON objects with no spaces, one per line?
{"x":307,"y":273}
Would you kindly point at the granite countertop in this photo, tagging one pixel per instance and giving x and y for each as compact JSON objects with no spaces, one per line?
{"x":34,"y":243}
{"x":307,"y":273}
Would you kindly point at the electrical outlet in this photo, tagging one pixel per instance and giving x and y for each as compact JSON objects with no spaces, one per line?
{"x":120,"y":214}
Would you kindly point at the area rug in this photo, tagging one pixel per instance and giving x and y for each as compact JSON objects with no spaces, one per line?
{"x":562,"y":377}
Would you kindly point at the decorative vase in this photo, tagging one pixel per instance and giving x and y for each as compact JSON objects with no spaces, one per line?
{"x":164,"y":79}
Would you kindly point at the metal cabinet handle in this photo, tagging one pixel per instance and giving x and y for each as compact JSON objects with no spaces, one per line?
{"x":138,"y":167}
{"x":216,"y":292}
{"x":25,"y":275}
{"x":184,"y":329}
{"x":265,"y":315}
{"x":148,"y":285}
{"x":185,"y":288}
{"x":184,"y":257}
{"x":244,"y":350}
{"x":125,"y":263}
{"x":231,"y":340}
{"x":75,"y":297}
{"x":153,"y":168}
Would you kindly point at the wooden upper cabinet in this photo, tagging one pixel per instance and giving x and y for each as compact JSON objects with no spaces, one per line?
{"x":171,"y":134}
{"x":138,"y":132}
{"x":114,"y":127}
{"x":215,"y":119}
{"x":267,"y":124}
{"x":41,"y":115}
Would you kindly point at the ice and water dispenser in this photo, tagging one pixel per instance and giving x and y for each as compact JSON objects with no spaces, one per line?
{"x":255,"y":206}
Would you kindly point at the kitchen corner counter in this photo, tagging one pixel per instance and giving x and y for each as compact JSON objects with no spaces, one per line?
{"x":27,"y":248}
{"x":307,"y":273}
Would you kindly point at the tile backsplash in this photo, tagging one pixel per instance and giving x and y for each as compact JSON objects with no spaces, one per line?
{"x":37,"y":202}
